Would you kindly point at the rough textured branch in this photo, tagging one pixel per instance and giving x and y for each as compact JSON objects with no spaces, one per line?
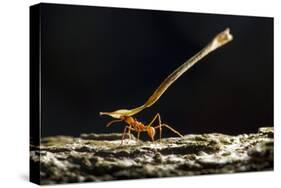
{"x":99,"y":157}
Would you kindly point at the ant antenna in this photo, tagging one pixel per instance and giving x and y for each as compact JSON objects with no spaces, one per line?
{"x":114,"y":121}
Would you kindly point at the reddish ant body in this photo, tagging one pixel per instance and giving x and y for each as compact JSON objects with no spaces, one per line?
{"x":134,"y":125}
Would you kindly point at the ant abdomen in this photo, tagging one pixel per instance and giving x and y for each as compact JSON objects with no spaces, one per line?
{"x":151,"y":132}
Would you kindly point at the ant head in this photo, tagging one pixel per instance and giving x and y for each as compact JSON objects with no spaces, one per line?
{"x":128,"y":119}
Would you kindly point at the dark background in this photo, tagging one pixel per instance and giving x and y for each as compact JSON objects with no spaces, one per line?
{"x":103,"y":59}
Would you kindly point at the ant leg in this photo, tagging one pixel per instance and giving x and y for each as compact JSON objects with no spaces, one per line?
{"x":129,"y":133}
{"x":138,"y":136}
{"x":130,"y":128}
{"x":160,"y":127}
{"x":167,"y":126}
{"x":160,"y":124}
{"x":124,"y":132}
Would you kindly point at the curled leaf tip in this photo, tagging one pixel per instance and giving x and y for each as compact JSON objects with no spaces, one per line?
{"x":221,"y":39}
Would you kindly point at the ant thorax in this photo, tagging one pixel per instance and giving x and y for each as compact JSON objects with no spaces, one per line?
{"x":133,"y":122}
